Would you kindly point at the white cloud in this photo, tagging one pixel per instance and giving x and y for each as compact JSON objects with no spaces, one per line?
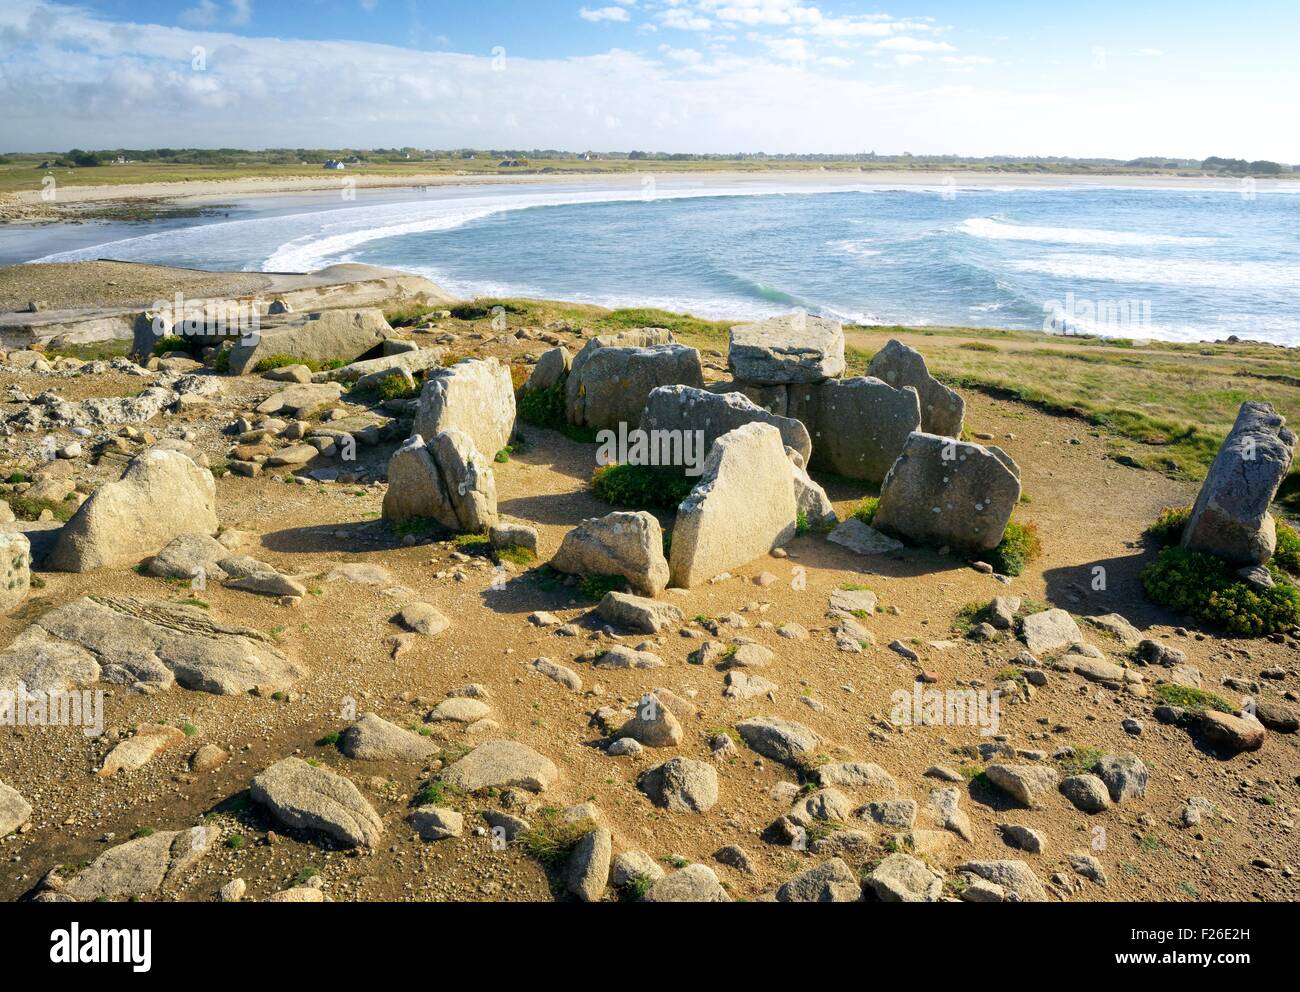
{"x":107,"y":83}
{"x":906,"y":44}
{"x":598,"y":14}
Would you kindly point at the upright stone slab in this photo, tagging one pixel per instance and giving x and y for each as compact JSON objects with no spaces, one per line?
{"x":791,"y":348}
{"x":685,"y":408}
{"x":550,"y":369}
{"x":475,"y":396}
{"x":949,"y":492}
{"x":743,"y":507}
{"x":858,"y":426}
{"x":609,"y":385}
{"x":1230,"y":518}
{"x":942,"y":409}
{"x":447,"y":480}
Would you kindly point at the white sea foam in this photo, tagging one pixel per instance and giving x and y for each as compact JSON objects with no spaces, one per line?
{"x":1164,"y":271}
{"x":992,"y":229}
{"x":856,"y":249}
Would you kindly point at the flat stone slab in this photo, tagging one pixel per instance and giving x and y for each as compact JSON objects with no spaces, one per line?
{"x":312,"y":798}
{"x":126,"y":640}
{"x":142,"y":867}
{"x":863,"y":539}
{"x":502,"y":765}
{"x":792,"y":348}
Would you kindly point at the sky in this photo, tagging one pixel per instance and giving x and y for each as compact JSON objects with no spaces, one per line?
{"x":997,"y":77}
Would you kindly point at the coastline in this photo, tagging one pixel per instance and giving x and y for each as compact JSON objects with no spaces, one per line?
{"x":29,"y":207}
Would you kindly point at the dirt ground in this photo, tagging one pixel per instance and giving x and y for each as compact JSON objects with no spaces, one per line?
{"x":1089,"y":511}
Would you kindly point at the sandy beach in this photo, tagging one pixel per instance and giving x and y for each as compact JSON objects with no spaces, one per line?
{"x":28,"y":206}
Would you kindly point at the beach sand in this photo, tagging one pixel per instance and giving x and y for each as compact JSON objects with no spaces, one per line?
{"x":27,"y":206}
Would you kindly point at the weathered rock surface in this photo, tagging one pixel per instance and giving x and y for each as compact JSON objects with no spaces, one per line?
{"x":126,"y":640}
{"x":14,"y":810}
{"x":161,"y":495}
{"x":791,"y":348}
{"x":609,"y":381}
{"x":1028,"y":785}
{"x":435,"y":823}
{"x":685,"y":408}
{"x":903,"y":878}
{"x":831,"y":881}
{"x":1230,"y":517}
{"x":448,"y":480}
{"x":148,"y":741}
{"x":1013,"y":876}
{"x":587,"y":873}
{"x":942,"y":409}
{"x":681,"y":785}
{"x":638,"y":613}
{"x":319,"y":337}
{"x":550,"y":370}
{"x":15,"y":569}
{"x":781,"y":740}
{"x":189,"y":556}
{"x":142,"y":867}
{"x":502,"y":765}
{"x":859,"y":426}
{"x":620,"y":543}
{"x":744,"y":506}
{"x":949,"y":492}
{"x":863,"y":539}
{"x":1048,"y":631}
{"x":372,"y":738}
{"x":311,"y":798}
{"x":694,"y":883}
{"x":475,"y":397}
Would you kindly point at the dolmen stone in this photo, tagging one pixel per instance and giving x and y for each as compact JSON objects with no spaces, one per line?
{"x":318,"y":337}
{"x":161,"y":495}
{"x":942,"y":409}
{"x":448,"y":480}
{"x":476,"y":397}
{"x":685,"y":408}
{"x":15,"y":569}
{"x":125,"y":640}
{"x":743,"y":507}
{"x":1230,"y":517}
{"x":627,"y":544}
{"x":859,"y":426}
{"x":948,"y":492}
{"x":550,"y":370}
{"x":795,"y":347}
{"x":612,"y":376}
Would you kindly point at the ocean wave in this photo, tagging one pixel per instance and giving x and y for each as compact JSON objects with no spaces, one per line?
{"x":855,"y":249}
{"x":992,"y":229}
{"x":1165,"y":271}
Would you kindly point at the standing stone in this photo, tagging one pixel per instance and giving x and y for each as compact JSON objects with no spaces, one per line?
{"x":810,"y":500}
{"x":743,"y":507}
{"x":161,"y":495}
{"x":550,"y":369}
{"x":15,"y":569}
{"x":858,"y":426}
{"x":1230,"y":517}
{"x":943,"y":491}
{"x":608,"y":384}
{"x":626,"y":544}
{"x":942,"y":409}
{"x":475,"y":396}
{"x":588,"y":867}
{"x":792,"y":348}
{"x":685,"y":408}
{"x":448,"y":480}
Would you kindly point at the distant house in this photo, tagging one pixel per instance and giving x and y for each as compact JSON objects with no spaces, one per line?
{"x":333,"y":163}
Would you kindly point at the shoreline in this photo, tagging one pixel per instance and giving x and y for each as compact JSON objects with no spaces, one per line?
{"x":28,"y":206}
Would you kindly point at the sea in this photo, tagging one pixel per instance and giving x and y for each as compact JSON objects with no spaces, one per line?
{"x":1175,"y":264}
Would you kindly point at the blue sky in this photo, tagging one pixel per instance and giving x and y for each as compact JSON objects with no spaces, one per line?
{"x":1010,"y":77}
